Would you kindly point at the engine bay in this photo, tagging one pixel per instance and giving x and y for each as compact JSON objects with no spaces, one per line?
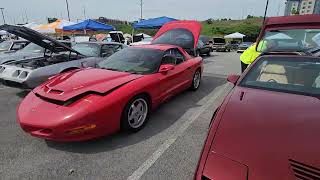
{"x":36,"y":63}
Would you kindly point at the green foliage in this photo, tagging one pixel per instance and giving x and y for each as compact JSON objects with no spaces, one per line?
{"x":250,"y":27}
{"x":214,"y":28}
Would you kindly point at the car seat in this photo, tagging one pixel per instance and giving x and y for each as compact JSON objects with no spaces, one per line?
{"x":273,"y":73}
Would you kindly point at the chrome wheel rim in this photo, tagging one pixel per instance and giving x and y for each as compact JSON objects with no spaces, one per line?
{"x":137,"y":113}
{"x":196,"y":79}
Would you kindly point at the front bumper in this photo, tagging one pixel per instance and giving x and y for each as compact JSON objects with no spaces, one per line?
{"x":76,"y":122}
{"x":15,"y":84}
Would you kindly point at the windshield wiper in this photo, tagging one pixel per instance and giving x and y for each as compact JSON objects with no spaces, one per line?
{"x":111,"y":69}
{"x":133,"y":72}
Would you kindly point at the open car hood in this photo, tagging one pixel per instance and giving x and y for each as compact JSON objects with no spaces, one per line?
{"x":77,"y":83}
{"x":37,"y":38}
{"x":184,"y":34}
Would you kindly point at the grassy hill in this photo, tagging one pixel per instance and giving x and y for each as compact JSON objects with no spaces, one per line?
{"x":250,"y":27}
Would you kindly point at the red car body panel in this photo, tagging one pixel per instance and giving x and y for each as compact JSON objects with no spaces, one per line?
{"x":192,"y":26}
{"x":267,"y":134}
{"x":94,"y":99}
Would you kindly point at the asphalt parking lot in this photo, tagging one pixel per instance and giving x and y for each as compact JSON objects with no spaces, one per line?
{"x":167,"y":148}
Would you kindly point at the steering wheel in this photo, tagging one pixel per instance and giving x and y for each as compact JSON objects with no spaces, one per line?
{"x":272,"y":81}
{"x":180,"y":40}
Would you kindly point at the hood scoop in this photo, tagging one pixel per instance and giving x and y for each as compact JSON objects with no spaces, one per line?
{"x":52,"y":91}
{"x":303,"y":171}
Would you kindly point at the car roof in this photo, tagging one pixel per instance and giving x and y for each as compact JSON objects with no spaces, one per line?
{"x":297,"y":19}
{"x":20,"y":40}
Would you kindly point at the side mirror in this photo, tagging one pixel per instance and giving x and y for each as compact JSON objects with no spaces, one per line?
{"x":233,"y":78}
{"x":165,"y":68}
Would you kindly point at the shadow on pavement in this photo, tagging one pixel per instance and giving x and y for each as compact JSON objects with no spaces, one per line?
{"x":23,"y":93}
{"x":165,"y":116}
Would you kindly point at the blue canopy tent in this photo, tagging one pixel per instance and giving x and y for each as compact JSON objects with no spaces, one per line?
{"x":154,"y":23}
{"x":90,"y":25}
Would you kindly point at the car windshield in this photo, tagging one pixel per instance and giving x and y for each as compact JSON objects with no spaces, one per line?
{"x":246,"y":44}
{"x":134,"y":60}
{"x":298,"y":75}
{"x":5,"y":45}
{"x":32,"y":48}
{"x":219,"y":40}
{"x":87,"y":49}
{"x":290,"y":40}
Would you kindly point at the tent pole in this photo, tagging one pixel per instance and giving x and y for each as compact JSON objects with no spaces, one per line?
{"x":132,"y":35}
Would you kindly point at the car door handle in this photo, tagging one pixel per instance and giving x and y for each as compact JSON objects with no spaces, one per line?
{"x":189,"y":68}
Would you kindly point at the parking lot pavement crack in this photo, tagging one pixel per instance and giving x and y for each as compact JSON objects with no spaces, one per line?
{"x":197,"y":112}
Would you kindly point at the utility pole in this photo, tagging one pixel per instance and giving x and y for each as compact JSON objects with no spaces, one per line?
{"x":25,"y":12}
{"x":68,"y":10}
{"x":141,"y":8}
{"x":265,"y":12}
{"x":84,"y":12}
{"x":4,"y":20}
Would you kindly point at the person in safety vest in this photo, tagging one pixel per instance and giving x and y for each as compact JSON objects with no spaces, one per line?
{"x":253,"y":52}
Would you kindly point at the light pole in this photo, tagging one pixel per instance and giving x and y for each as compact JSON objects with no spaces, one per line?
{"x":68,"y":10}
{"x":141,"y":8}
{"x":84,"y":13}
{"x":265,"y":12}
{"x":4,"y":20}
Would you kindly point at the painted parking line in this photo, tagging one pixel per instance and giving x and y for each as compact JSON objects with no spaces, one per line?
{"x":4,"y":88}
{"x":162,"y":149}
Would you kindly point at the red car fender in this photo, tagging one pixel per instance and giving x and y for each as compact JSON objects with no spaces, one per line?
{"x":209,"y":140}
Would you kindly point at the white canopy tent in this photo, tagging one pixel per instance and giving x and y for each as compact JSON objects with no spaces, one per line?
{"x":235,"y":35}
{"x":278,"y":36}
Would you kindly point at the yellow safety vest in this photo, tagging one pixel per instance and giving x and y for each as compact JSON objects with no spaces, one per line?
{"x":250,"y":55}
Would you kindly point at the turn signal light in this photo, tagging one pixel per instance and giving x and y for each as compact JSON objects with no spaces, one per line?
{"x":81,"y":129}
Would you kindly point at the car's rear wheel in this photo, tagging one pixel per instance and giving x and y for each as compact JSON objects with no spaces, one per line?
{"x":135,"y":114}
{"x":196,"y":81}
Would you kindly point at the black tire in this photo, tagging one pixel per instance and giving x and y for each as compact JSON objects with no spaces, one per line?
{"x":198,"y":54}
{"x":195,"y":85}
{"x":126,"y":124}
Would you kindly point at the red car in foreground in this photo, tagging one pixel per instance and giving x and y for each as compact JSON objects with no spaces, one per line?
{"x":120,"y":94}
{"x":268,"y":126}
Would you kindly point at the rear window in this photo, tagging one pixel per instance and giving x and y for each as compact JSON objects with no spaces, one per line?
{"x":179,"y":37}
{"x":219,"y":40}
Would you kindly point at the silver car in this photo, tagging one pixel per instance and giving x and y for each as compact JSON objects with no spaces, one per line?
{"x":31,"y":72}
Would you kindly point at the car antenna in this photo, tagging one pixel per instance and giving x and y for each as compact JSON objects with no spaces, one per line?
{"x":265,"y":12}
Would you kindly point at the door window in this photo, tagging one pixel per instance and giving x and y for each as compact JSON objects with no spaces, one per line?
{"x":177,"y":54}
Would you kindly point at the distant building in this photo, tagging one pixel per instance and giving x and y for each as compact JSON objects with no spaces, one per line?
{"x":302,"y":7}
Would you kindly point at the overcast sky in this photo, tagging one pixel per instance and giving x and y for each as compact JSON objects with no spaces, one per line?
{"x":37,"y":10}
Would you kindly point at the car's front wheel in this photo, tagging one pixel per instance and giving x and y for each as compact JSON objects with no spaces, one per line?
{"x":135,"y":114}
{"x":196,"y":81}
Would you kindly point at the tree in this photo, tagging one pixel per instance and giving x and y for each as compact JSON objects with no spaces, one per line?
{"x":294,"y":11}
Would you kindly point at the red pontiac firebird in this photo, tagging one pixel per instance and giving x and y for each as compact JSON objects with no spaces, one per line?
{"x":120,"y":93}
{"x":268,"y":126}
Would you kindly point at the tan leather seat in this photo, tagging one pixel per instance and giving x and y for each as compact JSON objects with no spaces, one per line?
{"x":273,"y":73}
